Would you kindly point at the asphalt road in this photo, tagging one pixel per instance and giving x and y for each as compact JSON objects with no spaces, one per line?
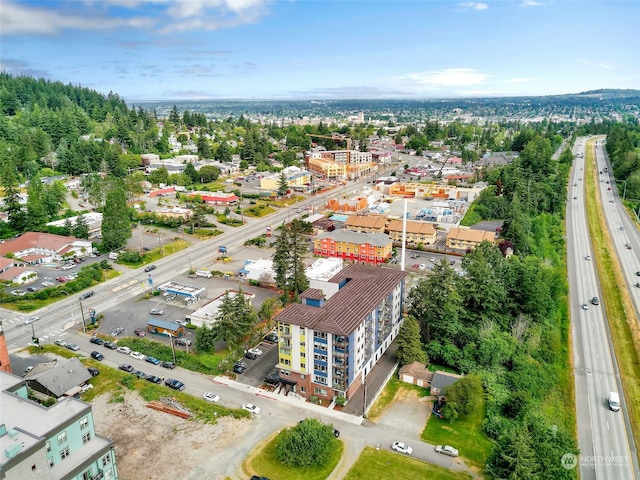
{"x":604,"y":437}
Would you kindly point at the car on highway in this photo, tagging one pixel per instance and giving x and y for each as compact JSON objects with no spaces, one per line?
{"x":251,"y":408}
{"x":68,"y":266}
{"x":31,"y":320}
{"x":588,"y":257}
{"x":595,"y":301}
{"x":153,"y":360}
{"x":447,"y":450}
{"x":153,"y":379}
{"x":175,"y":384}
{"x":125,"y":350}
{"x":138,"y":355}
{"x":96,"y":340}
{"x":628,"y":245}
{"x":401,"y":447}
{"x":97,"y":356}
{"x":255,"y":351}
{"x":169,"y":365}
{"x":156,"y":311}
{"x":72,"y":346}
{"x":638,"y":285}
{"x":117,"y":331}
{"x":139,"y":332}
{"x":86,"y":295}
{"x":585,"y":306}
{"x":110,"y":345}
{"x":211,"y":397}
{"x":126,"y":367}
{"x":414,"y":255}
{"x":422,"y":266}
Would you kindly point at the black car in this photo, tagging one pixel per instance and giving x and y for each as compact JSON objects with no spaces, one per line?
{"x":32,"y":289}
{"x":271,"y":337}
{"x":96,"y":340}
{"x":169,"y":365}
{"x":250,"y":355}
{"x":149,"y":268}
{"x":240,"y":367}
{"x":154,"y":379}
{"x":86,"y":295}
{"x":273,"y":378}
{"x":97,"y":355}
{"x":110,"y":345}
{"x":126,"y":367}
{"x":93,"y":371}
{"x":175,"y":384}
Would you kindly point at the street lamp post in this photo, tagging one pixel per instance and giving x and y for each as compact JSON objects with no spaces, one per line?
{"x":173,"y":349}
{"x":84,"y":325}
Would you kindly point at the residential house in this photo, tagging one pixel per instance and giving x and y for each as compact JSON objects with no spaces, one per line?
{"x":57,"y":442}
{"x":58,"y":378}
{"x":416,"y":373}
{"x":463,"y":238}
{"x":38,"y":247}
{"x":365,"y":248}
{"x":14,"y":271}
{"x":442,"y":380}
{"x":331,"y":341}
{"x":418,"y":233}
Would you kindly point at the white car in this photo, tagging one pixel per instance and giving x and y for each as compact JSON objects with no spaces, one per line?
{"x":422,"y":266}
{"x":155,"y":311}
{"x":68,"y":266}
{"x":31,"y":320}
{"x":432,"y":259}
{"x":251,"y":408}
{"x":61,"y":342}
{"x":125,"y":350}
{"x":447,"y":450}
{"x":255,"y":351}
{"x":402,"y":448}
{"x":588,"y":257}
{"x":137,"y":355}
{"x":181,"y":322}
{"x":585,"y":306}
{"x":211,"y":397}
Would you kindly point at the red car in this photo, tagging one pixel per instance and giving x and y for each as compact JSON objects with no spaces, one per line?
{"x":139,"y":332}
{"x":415,"y":265}
{"x":61,"y":279}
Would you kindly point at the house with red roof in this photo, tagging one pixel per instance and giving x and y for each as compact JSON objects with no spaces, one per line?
{"x":37,"y":247}
{"x":13,"y":271}
{"x":216,"y":198}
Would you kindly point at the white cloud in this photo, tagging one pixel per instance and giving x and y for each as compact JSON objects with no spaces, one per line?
{"x":450,"y":77}
{"x":165,"y":16}
{"x":605,"y":66}
{"x":531,"y":3}
{"x":473,"y":6}
{"x":519,"y":80}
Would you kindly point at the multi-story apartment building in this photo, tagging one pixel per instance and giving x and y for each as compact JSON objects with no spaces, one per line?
{"x":365,"y":248}
{"x":330,"y":342}
{"x":418,"y":233}
{"x":341,"y":164}
{"x":56,"y":442}
{"x":296,"y":179}
{"x":463,"y":238}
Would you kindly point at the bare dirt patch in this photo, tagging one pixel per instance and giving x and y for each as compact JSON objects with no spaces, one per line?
{"x":152,"y":445}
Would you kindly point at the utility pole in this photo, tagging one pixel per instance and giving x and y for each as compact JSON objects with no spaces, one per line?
{"x":173,"y":349}
{"x":140,"y":238}
{"x":84,"y":325}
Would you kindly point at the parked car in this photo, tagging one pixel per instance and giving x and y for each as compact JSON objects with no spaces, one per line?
{"x":414,"y":255}
{"x":169,"y":365}
{"x":125,"y":350}
{"x":117,"y":331}
{"x":61,"y":342}
{"x":18,"y":293}
{"x":139,"y":332}
{"x":255,"y":351}
{"x":32,"y":289}
{"x":86,"y":295}
{"x":110,"y":345}
{"x":149,"y":268}
{"x":153,"y":360}
{"x":185,"y":342}
{"x":61,"y":279}
{"x":126,"y":367}
{"x":138,"y":355}
{"x":240,"y":367}
{"x":402,"y":448}
{"x":181,"y":322}
{"x":175,"y":384}
{"x":140,"y":375}
{"x":250,"y":355}
{"x":93,"y":371}
{"x":447,"y":450}
{"x":211,"y":397}
{"x":68,"y":266}
{"x":251,"y":408}
{"x":96,"y":340}
{"x":271,"y":337}
{"x":72,"y":346}
{"x":155,"y":311}
{"x":97,"y":355}
{"x":153,"y":379}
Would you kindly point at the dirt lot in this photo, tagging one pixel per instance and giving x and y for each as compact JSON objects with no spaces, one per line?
{"x":152,"y":445}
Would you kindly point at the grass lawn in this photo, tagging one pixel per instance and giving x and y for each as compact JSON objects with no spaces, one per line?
{"x":381,"y":465}
{"x":465,"y":434}
{"x":265,"y":463}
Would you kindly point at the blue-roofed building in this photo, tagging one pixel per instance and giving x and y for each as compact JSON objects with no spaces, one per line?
{"x":162,"y":327}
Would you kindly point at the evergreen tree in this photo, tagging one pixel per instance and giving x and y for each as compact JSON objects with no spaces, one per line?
{"x":36,"y":213}
{"x":223,"y":154}
{"x":17,"y":217}
{"x":81,"y":227}
{"x":190,"y":171}
{"x":174,"y":116}
{"x":288,"y":260}
{"x":235,"y":319}
{"x":116,"y":227}
{"x":409,"y":346}
{"x":283,"y":186}
{"x":67,"y":228}
{"x":204,"y":149}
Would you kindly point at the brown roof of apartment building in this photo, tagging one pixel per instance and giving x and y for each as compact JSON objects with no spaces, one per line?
{"x":470,"y":235}
{"x":363,"y":291}
{"x":421,"y":228}
{"x":376,"y":222}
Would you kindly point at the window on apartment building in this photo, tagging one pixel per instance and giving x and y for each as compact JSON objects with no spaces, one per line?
{"x":87,"y":475}
{"x":320,"y":379}
{"x":62,"y":437}
{"x":50,"y":462}
{"x":303,"y":365}
{"x":286,"y":361}
{"x":84,"y":422}
{"x":86,"y":438}
{"x":285,"y":373}
{"x":106,"y":460}
{"x":321,"y":358}
{"x":320,"y":368}
{"x":48,"y":446}
{"x":303,"y":389}
{"x":321,"y":335}
{"x":64,"y":453}
{"x":33,"y":467}
{"x":320,"y":391}
{"x":303,"y":355}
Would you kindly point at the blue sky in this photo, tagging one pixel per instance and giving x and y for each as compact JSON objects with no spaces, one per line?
{"x":321,"y":49}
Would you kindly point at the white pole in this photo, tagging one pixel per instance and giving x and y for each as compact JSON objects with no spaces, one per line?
{"x":404,"y":236}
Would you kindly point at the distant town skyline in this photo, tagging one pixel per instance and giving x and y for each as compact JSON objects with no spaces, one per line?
{"x":164,"y":50}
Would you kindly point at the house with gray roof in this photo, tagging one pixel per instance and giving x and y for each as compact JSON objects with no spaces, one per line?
{"x":442,"y":380}
{"x":58,"y":378}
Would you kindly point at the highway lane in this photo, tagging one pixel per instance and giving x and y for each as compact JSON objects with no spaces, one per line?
{"x":605,"y":442}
